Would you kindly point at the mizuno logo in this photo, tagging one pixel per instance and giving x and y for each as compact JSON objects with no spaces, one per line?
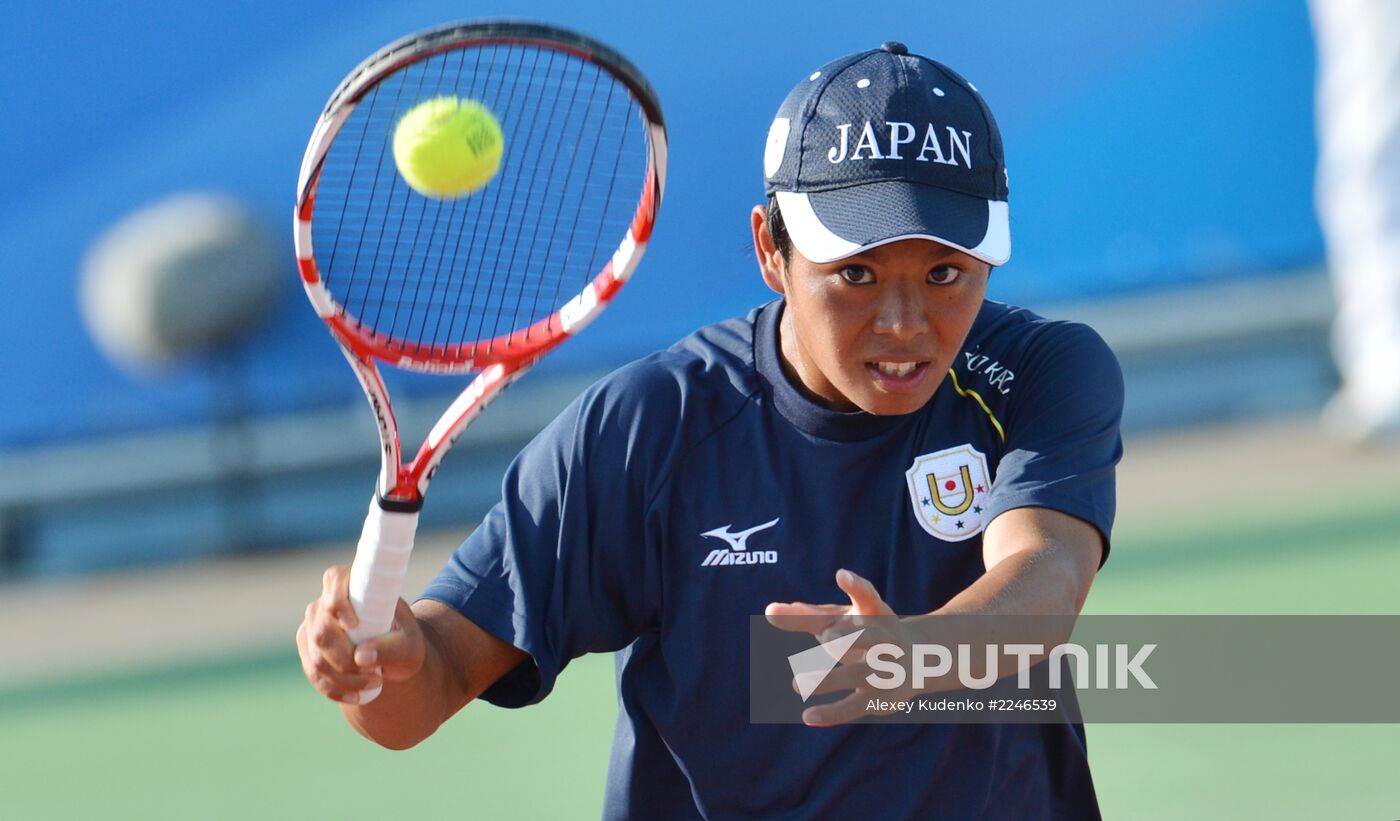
{"x":738,"y":552}
{"x":738,"y":541}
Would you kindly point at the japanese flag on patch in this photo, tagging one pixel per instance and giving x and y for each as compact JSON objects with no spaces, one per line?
{"x":949,"y":489}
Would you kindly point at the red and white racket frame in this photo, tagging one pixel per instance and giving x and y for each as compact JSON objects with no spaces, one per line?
{"x":381,"y":558}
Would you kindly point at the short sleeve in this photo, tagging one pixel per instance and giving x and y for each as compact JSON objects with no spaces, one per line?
{"x":1062,"y":429}
{"x":562,"y":565}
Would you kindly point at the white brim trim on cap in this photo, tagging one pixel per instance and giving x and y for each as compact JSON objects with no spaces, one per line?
{"x":813,"y":239}
{"x":819,"y":244}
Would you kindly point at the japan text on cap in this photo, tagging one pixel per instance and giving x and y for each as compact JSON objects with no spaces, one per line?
{"x":885,"y":145}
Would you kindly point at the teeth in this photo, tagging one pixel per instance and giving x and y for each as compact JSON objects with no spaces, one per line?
{"x":897,"y":368}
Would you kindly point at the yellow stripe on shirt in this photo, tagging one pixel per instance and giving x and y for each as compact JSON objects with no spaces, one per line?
{"x":975,"y":396}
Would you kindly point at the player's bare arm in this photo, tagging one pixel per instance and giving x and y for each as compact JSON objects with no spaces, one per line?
{"x":432,"y":664}
{"x":1039,"y":562}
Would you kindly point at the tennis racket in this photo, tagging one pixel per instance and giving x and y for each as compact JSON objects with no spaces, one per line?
{"x":486,"y":283}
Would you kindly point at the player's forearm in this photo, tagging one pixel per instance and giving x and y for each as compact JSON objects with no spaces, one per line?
{"x":408,"y":711}
{"x":1031,"y":584}
{"x":1028,"y":583}
{"x":1039,"y":562}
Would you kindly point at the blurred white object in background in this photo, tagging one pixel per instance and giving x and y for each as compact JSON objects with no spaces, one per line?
{"x":180,"y":276}
{"x":1358,"y":204}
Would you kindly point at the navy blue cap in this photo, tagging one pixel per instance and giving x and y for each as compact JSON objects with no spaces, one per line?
{"x":886,"y":145}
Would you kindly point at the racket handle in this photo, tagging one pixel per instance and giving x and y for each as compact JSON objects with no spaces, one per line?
{"x":376,"y":577}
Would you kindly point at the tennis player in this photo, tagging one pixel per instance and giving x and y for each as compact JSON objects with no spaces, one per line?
{"x":879,"y":439}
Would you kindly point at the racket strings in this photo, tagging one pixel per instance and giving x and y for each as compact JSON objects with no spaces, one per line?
{"x":529,"y":188}
{"x":496,"y":211}
{"x":451,"y":273}
{"x":437,"y":215}
{"x":592,"y":157}
{"x":457,"y":245}
{"x":396,"y":235}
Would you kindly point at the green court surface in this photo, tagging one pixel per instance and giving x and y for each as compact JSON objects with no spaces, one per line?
{"x":1303,"y":560}
{"x":247,"y":738}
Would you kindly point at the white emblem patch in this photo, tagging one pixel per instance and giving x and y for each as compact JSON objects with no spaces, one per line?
{"x":776,"y":146}
{"x":949,"y":490}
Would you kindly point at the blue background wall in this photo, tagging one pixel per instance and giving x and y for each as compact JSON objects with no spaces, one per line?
{"x":1149,"y":145}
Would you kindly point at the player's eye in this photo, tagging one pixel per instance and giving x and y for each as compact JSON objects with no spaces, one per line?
{"x":857,"y":275}
{"x":944,"y":275}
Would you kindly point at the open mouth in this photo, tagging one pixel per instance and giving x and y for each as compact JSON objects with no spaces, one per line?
{"x":897,"y":374}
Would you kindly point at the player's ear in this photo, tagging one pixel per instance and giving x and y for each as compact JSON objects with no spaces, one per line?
{"x":770,"y":262}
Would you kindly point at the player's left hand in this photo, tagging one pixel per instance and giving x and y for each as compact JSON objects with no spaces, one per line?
{"x":868,"y":612}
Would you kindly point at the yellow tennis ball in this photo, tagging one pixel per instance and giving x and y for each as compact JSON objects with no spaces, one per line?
{"x":446,"y":147}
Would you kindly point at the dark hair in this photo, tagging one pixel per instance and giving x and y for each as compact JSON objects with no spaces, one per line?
{"x":778,"y":229}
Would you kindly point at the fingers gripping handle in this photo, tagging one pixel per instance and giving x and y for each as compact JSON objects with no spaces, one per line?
{"x":376,"y":577}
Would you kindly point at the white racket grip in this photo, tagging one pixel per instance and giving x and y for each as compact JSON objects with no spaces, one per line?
{"x":376,"y":577}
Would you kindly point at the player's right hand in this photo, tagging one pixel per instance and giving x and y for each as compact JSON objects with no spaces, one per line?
{"x":334,"y":665}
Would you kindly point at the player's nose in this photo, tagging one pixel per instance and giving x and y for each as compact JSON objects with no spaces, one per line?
{"x":900,"y":312}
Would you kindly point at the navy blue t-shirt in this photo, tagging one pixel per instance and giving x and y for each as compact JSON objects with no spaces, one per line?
{"x":611,"y":536}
